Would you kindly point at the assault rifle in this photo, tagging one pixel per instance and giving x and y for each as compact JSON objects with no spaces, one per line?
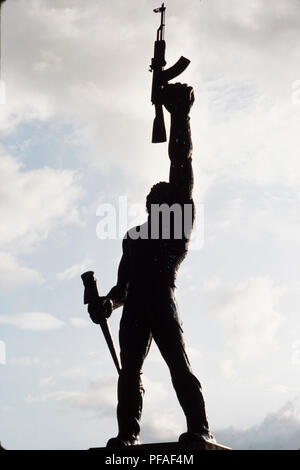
{"x":161,"y":77}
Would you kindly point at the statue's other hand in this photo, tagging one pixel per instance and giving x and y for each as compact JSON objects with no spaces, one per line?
{"x":100,"y":308}
{"x":178,"y":98}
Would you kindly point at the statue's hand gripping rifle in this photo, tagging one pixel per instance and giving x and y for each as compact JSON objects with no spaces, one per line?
{"x":161,"y":78}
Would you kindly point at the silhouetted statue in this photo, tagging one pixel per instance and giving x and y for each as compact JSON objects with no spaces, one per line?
{"x":152,"y":254}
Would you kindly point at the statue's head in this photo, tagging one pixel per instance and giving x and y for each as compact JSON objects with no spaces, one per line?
{"x":160,"y":193}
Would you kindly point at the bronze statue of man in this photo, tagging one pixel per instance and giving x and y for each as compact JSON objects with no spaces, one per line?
{"x":146,"y":288}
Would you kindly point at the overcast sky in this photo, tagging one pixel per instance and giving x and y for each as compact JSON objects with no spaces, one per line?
{"x":75,"y":133}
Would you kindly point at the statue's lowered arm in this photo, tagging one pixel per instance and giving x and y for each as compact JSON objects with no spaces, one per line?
{"x":118,"y":293}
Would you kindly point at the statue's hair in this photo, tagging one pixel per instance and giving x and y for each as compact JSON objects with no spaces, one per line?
{"x":160,"y":193}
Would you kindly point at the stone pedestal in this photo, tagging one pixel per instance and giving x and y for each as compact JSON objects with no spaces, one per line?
{"x":163,"y":453}
{"x":178,"y":447}
{"x":164,"y":447}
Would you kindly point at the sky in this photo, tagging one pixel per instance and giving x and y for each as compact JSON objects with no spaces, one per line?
{"x":75,"y":142}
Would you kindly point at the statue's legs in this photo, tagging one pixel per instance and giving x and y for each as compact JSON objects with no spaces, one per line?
{"x":158,"y":318}
{"x":169,"y":339}
{"x":135,"y":339}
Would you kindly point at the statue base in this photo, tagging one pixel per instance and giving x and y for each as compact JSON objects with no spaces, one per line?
{"x":166,"y":447}
{"x":174,"y":453}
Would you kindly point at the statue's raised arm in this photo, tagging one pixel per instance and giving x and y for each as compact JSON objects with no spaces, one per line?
{"x":178,"y":100}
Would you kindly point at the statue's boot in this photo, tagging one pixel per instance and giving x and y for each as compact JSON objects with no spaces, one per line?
{"x":129,"y":410}
{"x":202,"y":436}
{"x":120,"y":442}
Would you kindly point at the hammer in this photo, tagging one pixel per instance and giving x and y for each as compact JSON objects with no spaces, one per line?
{"x":91,"y":294}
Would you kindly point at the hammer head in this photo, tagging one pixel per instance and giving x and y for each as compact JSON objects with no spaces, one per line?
{"x":90,"y":287}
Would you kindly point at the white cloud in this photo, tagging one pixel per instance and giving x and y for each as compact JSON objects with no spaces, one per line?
{"x":80,"y":373}
{"x":194,"y":353}
{"x":243,"y":88}
{"x":256,"y":214}
{"x":2,"y":353}
{"x":34,"y":201}
{"x":24,"y":361}
{"x":279,"y":388}
{"x":73,"y":271}
{"x":100,"y":397}
{"x":6,"y":409}
{"x":12,"y":274}
{"x":278,"y":431}
{"x":211,"y":284}
{"x":156,"y":389}
{"x":34,"y":321}
{"x":248,"y":313}
{"x":161,"y":427}
{"x":46,"y":381}
{"x":78,"y":322}
{"x":227,"y":369}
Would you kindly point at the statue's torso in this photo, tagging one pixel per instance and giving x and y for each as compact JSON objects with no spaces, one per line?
{"x":156,"y":261}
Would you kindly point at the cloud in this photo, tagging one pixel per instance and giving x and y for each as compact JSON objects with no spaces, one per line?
{"x":34,"y":201}
{"x":24,"y":361}
{"x":255,"y":214}
{"x":156,"y":389}
{"x":50,"y":88}
{"x":68,"y":70}
{"x":73,"y":271}
{"x":32,"y":204}
{"x":32,"y":321}
{"x":228,"y":369}
{"x":278,"y":431}
{"x":12,"y":274}
{"x":99,"y":397}
{"x":2,"y":353}
{"x":248,"y":312}
{"x":47,"y":381}
{"x":161,"y":427}
{"x":78,"y":322}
